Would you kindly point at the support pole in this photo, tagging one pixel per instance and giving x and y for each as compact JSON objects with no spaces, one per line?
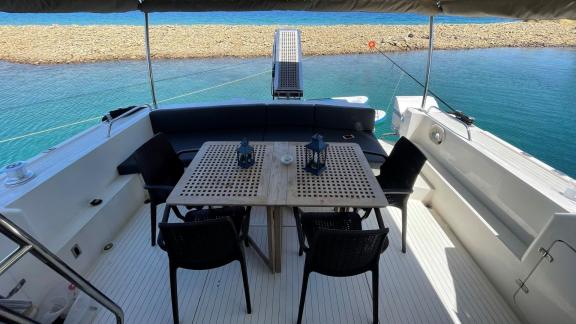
{"x":149,"y":61}
{"x":429,"y":64}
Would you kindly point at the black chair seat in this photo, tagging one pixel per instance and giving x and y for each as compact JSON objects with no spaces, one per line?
{"x":395,"y":200}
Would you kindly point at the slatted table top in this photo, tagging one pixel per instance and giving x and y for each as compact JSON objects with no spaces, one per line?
{"x":348,"y":180}
{"x":214,"y":178}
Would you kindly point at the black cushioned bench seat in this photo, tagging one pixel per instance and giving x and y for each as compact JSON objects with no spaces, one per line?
{"x":188,"y":128}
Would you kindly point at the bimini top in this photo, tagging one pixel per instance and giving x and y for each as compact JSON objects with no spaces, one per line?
{"x":523,"y":9}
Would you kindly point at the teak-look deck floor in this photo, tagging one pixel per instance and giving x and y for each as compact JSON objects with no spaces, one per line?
{"x":436,"y":281}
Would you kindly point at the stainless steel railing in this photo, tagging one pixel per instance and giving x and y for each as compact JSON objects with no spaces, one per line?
{"x":14,"y":317}
{"x":111,"y":121}
{"x":27,"y":244}
{"x":469,"y":133}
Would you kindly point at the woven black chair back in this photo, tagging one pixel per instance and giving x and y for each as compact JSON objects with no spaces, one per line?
{"x":312,"y":222}
{"x":201,"y":245}
{"x":237,"y":214}
{"x":159,"y":165}
{"x":341,"y":253}
{"x":401,"y":168}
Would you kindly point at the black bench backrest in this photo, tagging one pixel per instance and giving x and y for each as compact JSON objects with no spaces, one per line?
{"x":190,"y":127}
{"x":262,"y":116}
{"x":184,"y":120}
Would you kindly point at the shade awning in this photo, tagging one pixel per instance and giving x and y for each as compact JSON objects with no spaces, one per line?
{"x":66,"y":6}
{"x":522,"y":9}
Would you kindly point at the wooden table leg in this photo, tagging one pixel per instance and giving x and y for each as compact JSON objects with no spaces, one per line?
{"x":278,"y":239}
{"x":270,"y":225}
{"x":274,"y":226}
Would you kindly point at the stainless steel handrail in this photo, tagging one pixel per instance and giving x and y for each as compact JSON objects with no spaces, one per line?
{"x":13,"y":258}
{"x":28,"y":244}
{"x":387,"y":134}
{"x":149,"y":60}
{"x":10,"y":316}
{"x":113,"y":120}
{"x":429,"y":62}
{"x":7,"y":314}
{"x":427,"y":112}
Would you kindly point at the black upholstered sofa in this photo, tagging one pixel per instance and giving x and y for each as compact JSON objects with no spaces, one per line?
{"x":188,"y":128}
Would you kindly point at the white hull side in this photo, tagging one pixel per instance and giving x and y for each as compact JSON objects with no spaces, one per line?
{"x":55,"y":207}
{"x":502,"y":204}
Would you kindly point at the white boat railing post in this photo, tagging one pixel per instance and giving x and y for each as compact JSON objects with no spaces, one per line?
{"x":149,"y":60}
{"x":429,"y":64}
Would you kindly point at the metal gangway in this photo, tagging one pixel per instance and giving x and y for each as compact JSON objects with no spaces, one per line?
{"x":287,"y":65}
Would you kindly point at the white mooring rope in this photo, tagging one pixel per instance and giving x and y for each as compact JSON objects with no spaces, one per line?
{"x":47,"y":130}
{"x":99,"y":117}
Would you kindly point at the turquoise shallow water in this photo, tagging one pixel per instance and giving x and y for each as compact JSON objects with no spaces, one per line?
{"x":525,"y":96}
{"x":235,"y":18}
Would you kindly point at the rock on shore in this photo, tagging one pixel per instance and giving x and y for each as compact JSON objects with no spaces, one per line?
{"x":75,"y":44}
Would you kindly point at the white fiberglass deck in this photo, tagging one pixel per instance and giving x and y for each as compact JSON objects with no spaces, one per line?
{"x":436,"y":281}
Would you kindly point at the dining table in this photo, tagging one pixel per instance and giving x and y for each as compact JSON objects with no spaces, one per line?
{"x":277,"y":180}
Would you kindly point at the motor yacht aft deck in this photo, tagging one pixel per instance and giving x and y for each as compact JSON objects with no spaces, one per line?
{"x":436,"y":281}
{"x":490,"y":229}
{"x":465,"y":259}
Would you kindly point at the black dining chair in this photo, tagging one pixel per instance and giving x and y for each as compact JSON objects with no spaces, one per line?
{"x":338,"y":247}
{"x":161,"y":169}
{"x":397,"y":177}
{"x":201,"y":245}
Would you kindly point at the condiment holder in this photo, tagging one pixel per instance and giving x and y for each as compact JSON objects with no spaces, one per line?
{"x":286,"y":159}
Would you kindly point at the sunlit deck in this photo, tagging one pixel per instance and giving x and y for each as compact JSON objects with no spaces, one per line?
{"x":436,"y":281}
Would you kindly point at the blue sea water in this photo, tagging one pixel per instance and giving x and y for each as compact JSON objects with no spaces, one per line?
{"x":525,"y":96}
{"x":236,"y":18}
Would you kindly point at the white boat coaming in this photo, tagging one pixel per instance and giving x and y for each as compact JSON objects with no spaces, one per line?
{"x":54,"y":207}
{"x":507,"y":214}
{"x":521,"y":193}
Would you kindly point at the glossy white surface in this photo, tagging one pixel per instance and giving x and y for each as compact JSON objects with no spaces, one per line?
{"x":550,"y":282}
{"x":54,"y":207}
{"x":403,"y":103}
{"x":504,"y":206}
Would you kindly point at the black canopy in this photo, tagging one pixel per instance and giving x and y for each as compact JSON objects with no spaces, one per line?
{"x":523,"y":9}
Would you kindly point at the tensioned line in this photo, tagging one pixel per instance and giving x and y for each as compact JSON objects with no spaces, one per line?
{"x":48,"y":130}
{"x":394,"y":93}
{"x":226,"y":67}
{"x":222,"y":84}
{"x":98,"y":117}
{"x":216,"y":86}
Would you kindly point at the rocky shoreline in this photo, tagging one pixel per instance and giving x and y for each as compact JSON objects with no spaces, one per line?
{"x":60,"y":44}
